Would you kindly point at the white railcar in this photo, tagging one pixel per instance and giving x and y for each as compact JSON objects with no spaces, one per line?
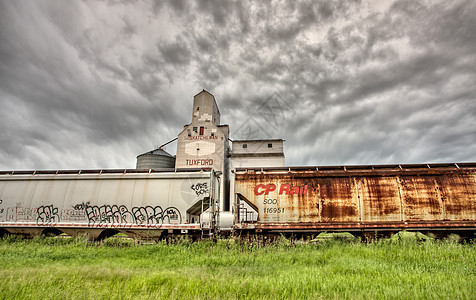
{"x":99,"y":203}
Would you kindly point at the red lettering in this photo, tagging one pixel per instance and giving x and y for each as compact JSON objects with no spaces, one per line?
{"x":259,"y":186}
{"x":294,"y":190}
{"x":201,"y":162}
{"x":264,"y":189}
{"x":284,"y":189}
{"x":287,"y":189}
{"x":200,"y":137}
{"x":269,"y":188}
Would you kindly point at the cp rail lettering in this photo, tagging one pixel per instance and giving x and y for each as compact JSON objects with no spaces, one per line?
{"x":284,"y":189}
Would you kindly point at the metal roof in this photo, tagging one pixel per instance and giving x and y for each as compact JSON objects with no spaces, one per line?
{"x":420,"y":169}
{"x":158,"y":151}
{"x":105,"y":171}
{"x":257,"y":140}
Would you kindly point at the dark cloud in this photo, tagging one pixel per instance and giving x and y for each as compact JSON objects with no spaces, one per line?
{"x":93,"y":84}
{"x":176,"y":53}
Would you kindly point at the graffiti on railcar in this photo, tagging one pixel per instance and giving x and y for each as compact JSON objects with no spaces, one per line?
{"x":81,"y":206}
{"x":73,"y":215}
{"x":20,"y":213}
{"x":108,"y":215}
{"x":156,"y":215}
{"x":95,"y":215}
{"x":114,"y":215}
{"x":47,"y":215}
{"x":200,"y":188}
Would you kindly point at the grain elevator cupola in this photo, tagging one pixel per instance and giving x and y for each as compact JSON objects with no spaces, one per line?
{"x":205,"y":108}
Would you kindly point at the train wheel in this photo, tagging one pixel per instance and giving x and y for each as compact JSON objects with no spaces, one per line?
{"x":106,"y":234}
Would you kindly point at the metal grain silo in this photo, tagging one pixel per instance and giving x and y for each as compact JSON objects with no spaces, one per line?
{"x":155,"y":159}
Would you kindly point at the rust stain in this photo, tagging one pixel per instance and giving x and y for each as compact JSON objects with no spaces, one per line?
{"x":338,"y":199}
{"x":459,"y":196}
{"x":380,"y":199}
{"x":420,"y":198}
{"x":395,"y":196}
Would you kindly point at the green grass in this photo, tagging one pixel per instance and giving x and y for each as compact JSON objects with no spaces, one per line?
{"x":73,"y":268}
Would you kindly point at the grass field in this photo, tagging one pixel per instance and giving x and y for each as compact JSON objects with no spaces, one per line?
{"x":73,"y":268}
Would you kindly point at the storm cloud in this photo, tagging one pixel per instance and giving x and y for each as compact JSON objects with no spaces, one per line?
{"x":90,"y":84}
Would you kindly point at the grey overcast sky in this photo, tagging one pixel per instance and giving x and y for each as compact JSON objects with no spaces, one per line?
{"x":92,"y":84}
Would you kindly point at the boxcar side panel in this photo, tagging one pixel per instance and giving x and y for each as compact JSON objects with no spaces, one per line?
{"x":421,"y":199}
{"x":380,"y":199}
{"x":339,"y":199}
{"x":360,"y":197}
{"x":459,"y":196}
{"x":135,"y":200}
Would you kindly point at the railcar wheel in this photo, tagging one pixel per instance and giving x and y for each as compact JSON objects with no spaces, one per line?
{"x":106,"y":234}
{"x":3,"y":233}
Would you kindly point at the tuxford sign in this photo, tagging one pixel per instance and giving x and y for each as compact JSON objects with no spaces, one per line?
{"x":199,"y":162}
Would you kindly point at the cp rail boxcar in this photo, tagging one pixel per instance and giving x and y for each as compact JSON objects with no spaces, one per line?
{"x":436,"y":197}
{"x":139,"y":203}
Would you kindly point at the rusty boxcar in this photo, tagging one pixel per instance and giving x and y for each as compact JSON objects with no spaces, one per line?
{"x":429,"y":197}
{"x":139,"y":203}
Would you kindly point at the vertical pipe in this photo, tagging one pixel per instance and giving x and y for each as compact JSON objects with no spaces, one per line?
{"x":359,"y":199}
{"x":402,"y":215}
{"x":361,"y":202}
{"x":441,"y":201}
{"x":216,"y":214}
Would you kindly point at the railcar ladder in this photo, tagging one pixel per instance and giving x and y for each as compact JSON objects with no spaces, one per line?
{"x":212,"y":230}
{"x":208,"y":231}
{"x":212,"y":204}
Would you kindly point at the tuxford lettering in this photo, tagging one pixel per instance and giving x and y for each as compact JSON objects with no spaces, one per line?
{"x":199,"y":162}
